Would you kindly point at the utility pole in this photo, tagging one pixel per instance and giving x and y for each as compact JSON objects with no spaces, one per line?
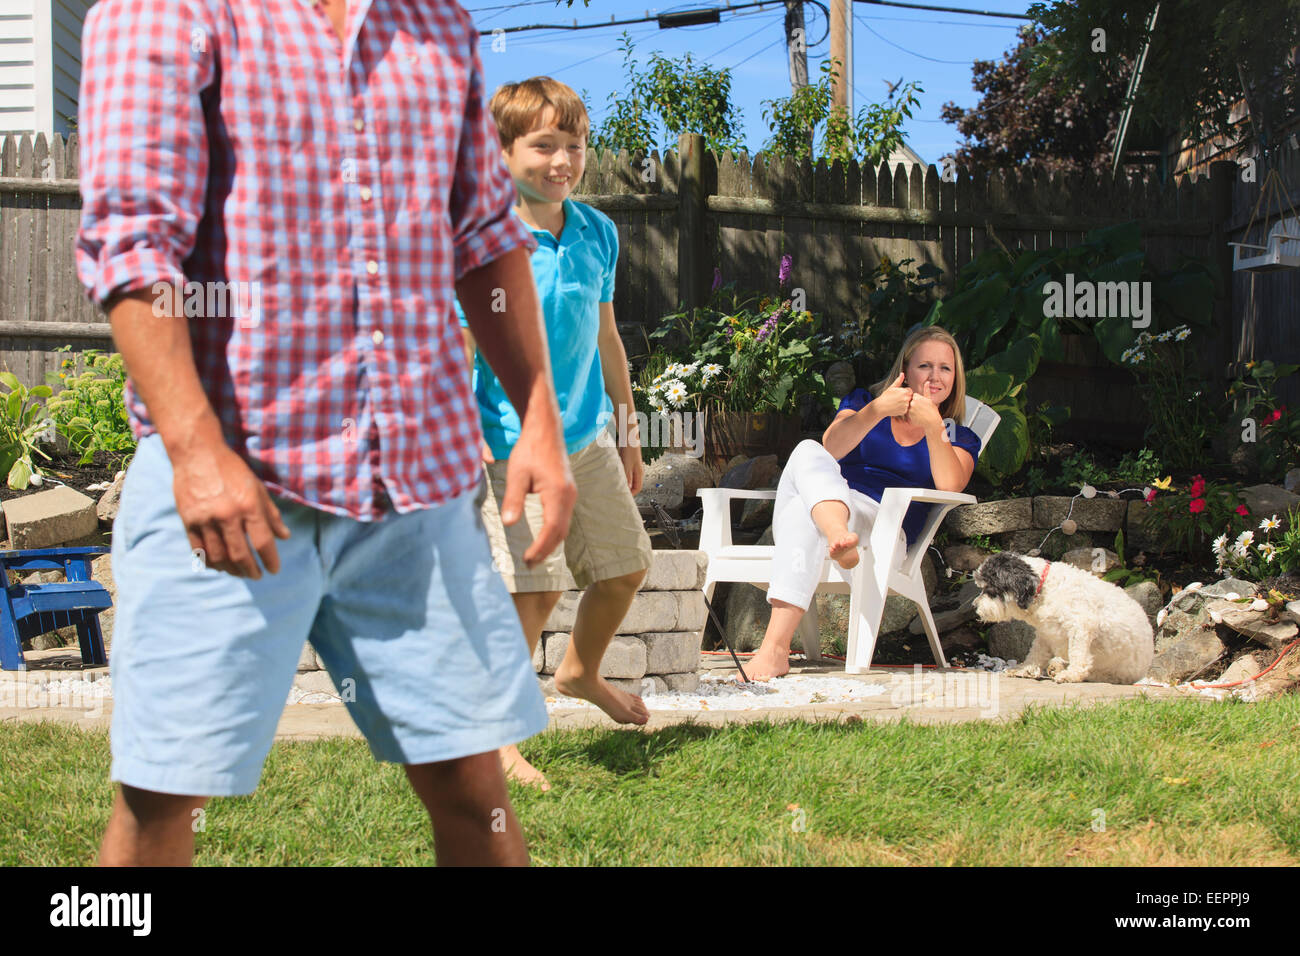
{"x":796,"y":44}
{"x":842,"y":50}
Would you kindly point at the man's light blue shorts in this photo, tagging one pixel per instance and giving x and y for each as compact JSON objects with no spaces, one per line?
{"x":407,"y":614}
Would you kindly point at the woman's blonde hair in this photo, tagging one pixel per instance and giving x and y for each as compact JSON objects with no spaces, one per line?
{"x":954,"y":406}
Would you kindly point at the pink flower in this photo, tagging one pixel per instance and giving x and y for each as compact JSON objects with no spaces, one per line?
{"x":1150,"y":495}
{"x":1196,"y":505}
{"x":783,"y":276}
{"x":717,"y":279}
{"x":1198,"y":486}
{"x":1243,"y":511}
{"x":1274,"y":415}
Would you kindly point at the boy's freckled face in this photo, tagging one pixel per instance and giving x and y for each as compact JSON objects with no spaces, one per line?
{"x":547,"y":163}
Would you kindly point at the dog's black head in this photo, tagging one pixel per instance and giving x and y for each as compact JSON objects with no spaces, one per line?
{"x":1007,"y":577}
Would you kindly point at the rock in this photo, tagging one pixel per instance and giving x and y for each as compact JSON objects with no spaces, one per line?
{"x":653,"y":684}
{"x":1187,"y":658}
{"x":1254,"y":624}
{"x":625,"y":657}
{"x":1010,"y":640}
{"x":947,"y":620}
{"x":307,"y":659}
{"x":1055,"y":545}
{"x":693,"y":472}
{"x":964,"y":557}
{"x":59,"y":637}
{"x":757,"y":513}
{"x":1089,"y":514}
{"x":747,"y":615}
{"x":1149,"y":597}
{"x":668,"y":652}
{"x":682,"y":683}
{"x":650,"y":611}
{"x":755,"y":473}
{"x":666,"y":489}
{"x":101,"y":569}
{"x":1096,"y":560}
{"x":962,"y":639}
{"x":109,"y":501}
{"x":1186,"y":610}
{"x":1243,"y":668}
{"x":316,"y":682}
{"x":1265,"y":501}
{"x":1292,"y":480}
{"x":48,"y":519}
{"x":989,"y":517}
{"x":676,"y":571}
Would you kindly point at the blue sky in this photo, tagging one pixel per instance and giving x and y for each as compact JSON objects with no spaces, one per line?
{"x":934,"y":48}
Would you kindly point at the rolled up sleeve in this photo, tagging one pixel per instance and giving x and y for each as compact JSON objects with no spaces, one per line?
{"x":483,"y":194}
{"x":144,"y":145}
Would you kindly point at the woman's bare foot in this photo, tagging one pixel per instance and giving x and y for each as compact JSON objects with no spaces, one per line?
{"x":766,"y":664}
{"x":519,"y":769}
{"x":622,"y":707}
{"x":844,"y":549}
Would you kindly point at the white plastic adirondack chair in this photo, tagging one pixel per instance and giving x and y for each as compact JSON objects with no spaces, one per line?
{"x":879,"y":573}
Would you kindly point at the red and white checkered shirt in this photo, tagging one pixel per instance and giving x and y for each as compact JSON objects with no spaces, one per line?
{"x":309,"y":203}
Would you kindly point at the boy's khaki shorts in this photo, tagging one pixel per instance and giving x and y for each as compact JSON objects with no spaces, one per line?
{"x":607,"y":538}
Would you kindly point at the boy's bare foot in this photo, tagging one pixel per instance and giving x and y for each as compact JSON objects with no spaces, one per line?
{"x":622,"y":707}
{"x":766,"y":664}
{"x":844,"y":549}
{"x":519,"y":769}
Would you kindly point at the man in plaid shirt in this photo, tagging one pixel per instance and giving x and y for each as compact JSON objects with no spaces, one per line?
{"x":281,"y":198}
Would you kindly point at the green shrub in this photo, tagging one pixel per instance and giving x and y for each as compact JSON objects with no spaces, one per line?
{"x":90,"y":412}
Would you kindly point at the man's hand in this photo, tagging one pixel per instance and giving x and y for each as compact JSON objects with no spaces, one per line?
{"x":538,"y":464}
{"x":223,"y":506}
{"x":633,"y":466}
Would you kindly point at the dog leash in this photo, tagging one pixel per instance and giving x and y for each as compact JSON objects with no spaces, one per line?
{"x":1043,"y":579}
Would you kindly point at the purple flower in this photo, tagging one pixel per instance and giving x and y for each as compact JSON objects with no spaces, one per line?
{"x":784,"y":275}
{"x":766,"y":329}
{"x":717,"y":279}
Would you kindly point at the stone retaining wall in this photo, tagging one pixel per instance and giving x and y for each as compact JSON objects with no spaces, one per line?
{"x":1021,"y":524}
{"x":658,"y":641}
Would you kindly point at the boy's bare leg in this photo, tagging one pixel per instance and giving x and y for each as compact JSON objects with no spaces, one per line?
{"x":772,"y":659}
{"x":473,"y":822}
{"x":603,"y":607}
{"x":533,"y":607}
{"x":150,"y":829}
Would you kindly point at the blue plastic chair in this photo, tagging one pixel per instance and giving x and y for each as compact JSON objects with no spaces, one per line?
{"x":32,"y":609}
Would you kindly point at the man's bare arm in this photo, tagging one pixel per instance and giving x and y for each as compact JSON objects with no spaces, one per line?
{"x":514,"y":343}
{"x":221,"y":502}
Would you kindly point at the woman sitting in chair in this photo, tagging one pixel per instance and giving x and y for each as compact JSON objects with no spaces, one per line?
{"x":898,"y":436}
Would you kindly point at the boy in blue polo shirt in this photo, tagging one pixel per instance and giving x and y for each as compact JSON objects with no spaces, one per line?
{"x":543,"y":127}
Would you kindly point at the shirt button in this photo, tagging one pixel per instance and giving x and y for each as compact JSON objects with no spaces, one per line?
{"x":365,"y":194}
{"x":377,"y":337}
{"x":372,"y":267}
{"x":359,"y":124}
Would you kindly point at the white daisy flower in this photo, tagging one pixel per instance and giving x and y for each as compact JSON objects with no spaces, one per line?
{"x":1127,"y":356}
{"x":675,"y":393}
{"x":1270,"y":524}
{"x":1164,"y":336}
{"x":1181,"y":333}
{"x":1243,"y":542}
{"x":675,"y":370}
{"x":1139,"y":357}
{"x":1268,"y":552}
{"x":1220,"y":543}
{"x":689,"y":369}
{"x":1144,"y":338}
{"x":712,"y":370}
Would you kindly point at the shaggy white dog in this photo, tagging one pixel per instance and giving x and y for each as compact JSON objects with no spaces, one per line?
{"x":1087,"y":629}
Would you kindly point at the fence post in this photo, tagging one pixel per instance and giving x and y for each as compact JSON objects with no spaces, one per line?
{"x":1223,"y":177}
{"x":692,"y":254}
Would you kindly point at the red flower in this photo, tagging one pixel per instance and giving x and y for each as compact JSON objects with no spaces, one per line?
{"x":1274,"y":415}
{"x":1151,"y":495}
{"x":1198,"y":486}
{"x":1243,"y":511}
{"x":1196,"y":506}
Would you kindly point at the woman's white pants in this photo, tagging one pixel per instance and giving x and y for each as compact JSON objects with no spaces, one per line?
{"x":811,"y":476}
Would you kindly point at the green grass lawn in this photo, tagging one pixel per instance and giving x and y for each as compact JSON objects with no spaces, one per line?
{"x":1178,"y":782}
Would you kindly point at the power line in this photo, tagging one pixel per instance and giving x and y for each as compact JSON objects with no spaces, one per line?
{"x":932,"y":59}
{"x":924,"y":6}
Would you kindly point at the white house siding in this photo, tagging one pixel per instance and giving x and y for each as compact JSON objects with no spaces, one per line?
{"x":17,"y":66}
